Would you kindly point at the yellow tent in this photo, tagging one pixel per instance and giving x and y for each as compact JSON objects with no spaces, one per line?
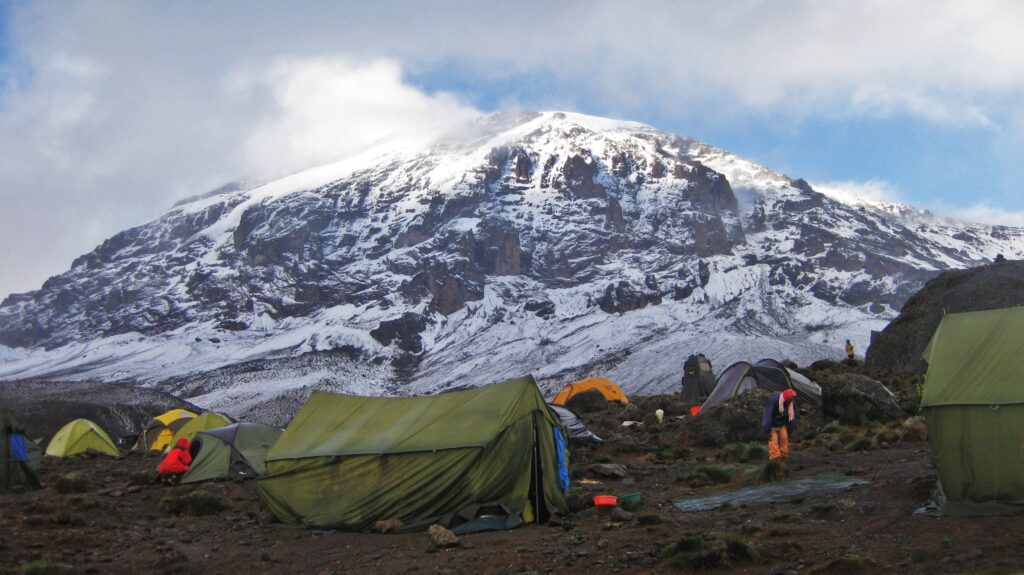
{"x":79,"y":436}
{"x":606,"y":387}
{"x":208,"y":420}
{"x":160,"y":430}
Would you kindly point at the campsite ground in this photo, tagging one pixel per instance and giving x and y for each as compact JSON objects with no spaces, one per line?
{"x":115,"y":524}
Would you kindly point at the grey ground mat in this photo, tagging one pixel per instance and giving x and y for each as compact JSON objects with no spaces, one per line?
{"x":770,"y":492}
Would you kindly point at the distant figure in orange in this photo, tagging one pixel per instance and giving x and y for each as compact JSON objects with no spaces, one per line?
{"x":779,"y":422}
{"x":176,"y":462}
{"x":849,"y":350}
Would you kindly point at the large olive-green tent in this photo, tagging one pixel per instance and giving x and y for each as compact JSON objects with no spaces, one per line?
{"x":79,"y":436}
{"x":237,"y":451}
{"x":473,"y":459}
{"x":206,"y":421}
{"x":20,"y":457}
{"x":974,"y":403}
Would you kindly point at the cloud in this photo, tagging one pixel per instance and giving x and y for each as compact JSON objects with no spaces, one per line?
{"x":323,"y":109}
{"x":851,"y":192}
{"x":983,"y":214}
{"x":89,"y":147}
{"x":879,"y":191}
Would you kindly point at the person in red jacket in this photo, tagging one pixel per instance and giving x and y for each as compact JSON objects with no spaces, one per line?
{"x":175,"y":463}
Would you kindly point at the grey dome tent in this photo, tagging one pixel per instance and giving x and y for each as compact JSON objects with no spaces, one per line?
{"x":743,"y":376}
{"x":807,"y":390}
{"x":237,"y":451}
{"x":698,"y":379}
{"x":574,"y":426}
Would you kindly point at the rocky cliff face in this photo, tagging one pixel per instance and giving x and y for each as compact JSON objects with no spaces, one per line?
{"x":899,"y":346}
{"x":554,"y":243}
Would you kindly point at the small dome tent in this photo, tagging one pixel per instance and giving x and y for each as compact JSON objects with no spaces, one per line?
{"x":237,"y":451}
{"x":157,"y":434}
{"x":204,"y":422}
{"x":607,"y":388}
{"x":79,"y":436}
{"x":807,"y":390}
{"x":574,"y":426}
{"x":743,"y":376}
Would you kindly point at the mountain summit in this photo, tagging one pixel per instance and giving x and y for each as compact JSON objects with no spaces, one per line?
{"x":553,"y":243}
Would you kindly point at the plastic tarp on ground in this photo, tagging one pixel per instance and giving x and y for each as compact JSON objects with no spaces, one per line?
{"x":974,"y":403}
{"x":20,"y":457}
{"x":347,"y":461}
{"x":79,"y":436}
{"x":237,"y":451}
{"x":574,"y":426}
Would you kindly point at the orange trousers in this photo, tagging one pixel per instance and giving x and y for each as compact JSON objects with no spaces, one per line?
{"x":778,"y":443}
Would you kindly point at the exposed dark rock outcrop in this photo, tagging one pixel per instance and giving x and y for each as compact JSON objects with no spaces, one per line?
{"x":734,"y":420}
{"x":405,"y":331}
{"x":624,"y":298}
{"x":900,"y":345}
{"x":854,"y":399}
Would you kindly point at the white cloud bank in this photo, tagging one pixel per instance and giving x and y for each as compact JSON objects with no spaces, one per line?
{"x":880,"y":191}
{"x":82,"y":158}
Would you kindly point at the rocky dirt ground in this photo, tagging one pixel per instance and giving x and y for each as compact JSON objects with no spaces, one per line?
{"x":100,"y":515}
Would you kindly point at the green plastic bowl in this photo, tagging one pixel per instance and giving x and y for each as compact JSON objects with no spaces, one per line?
{"x":632,"y":497}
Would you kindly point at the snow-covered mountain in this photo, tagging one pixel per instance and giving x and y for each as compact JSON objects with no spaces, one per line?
{"x":552,"y":243}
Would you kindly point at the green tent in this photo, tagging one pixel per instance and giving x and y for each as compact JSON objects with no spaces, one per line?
{"x":237,"y":451}
{"x":470,"y":460}
{"x":974,"y":403}
{"x":20,"y":457}
{"x":205,"y":422}
{"x":79,"y":436}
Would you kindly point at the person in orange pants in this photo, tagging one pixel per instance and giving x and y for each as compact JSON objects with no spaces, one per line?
{"x":779,"y":422}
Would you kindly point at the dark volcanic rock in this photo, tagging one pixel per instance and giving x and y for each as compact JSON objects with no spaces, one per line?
{"x":853,"y":399}
{"x":734,"y":420}
{"x":404,"y":330}
{"x":900,"y":345}
{"x":625,"y":298}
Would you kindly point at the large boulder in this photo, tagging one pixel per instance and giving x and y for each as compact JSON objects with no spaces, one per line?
{"x":853,"y":399}
{"x":734,"y":420}
{"x":900,"y":345}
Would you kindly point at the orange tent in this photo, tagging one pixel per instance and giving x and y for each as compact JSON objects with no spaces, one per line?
{"x":605,"y":387}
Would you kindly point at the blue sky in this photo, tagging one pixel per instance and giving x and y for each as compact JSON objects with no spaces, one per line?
{"x":111,"y":111}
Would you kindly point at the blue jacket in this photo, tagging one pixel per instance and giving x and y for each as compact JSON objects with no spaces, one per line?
{"x":772,"y":419}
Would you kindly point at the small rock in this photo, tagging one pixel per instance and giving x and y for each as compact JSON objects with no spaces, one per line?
{"x":265,"y":556}
{"x":133,"y":489}
{"x":116,"y":493}
{"x":975,"y":553}
{"x":609,"y":470}
{"x":620,"y":514}
{"x":265,"y":517}
{"x":388,"y":525}
{"x":442,"y":537}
